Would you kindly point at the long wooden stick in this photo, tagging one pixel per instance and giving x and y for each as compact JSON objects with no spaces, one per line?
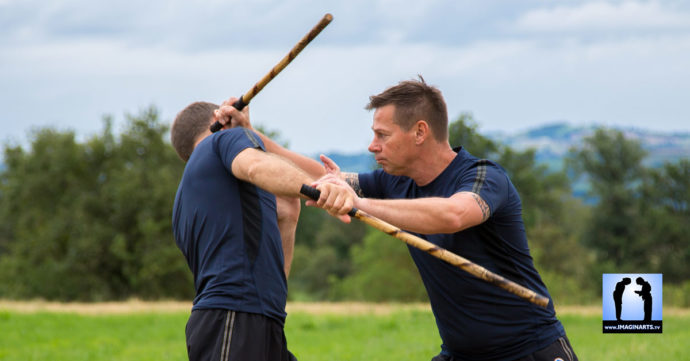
{"x":247,"y":97}
{"x":441,"y":253}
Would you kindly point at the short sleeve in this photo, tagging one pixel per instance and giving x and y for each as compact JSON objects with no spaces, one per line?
{"x":489,"y":181}
{"x":370,"y":183}
{"x":229,"y":143}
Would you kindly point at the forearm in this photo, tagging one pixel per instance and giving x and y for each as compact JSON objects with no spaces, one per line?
{"x":270,"y":172}
{"x":310,"y":166}
{"x":421,"y":215}
{"x":288,"y":210}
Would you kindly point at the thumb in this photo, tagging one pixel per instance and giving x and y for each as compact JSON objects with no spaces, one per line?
{"x":344,"y":218}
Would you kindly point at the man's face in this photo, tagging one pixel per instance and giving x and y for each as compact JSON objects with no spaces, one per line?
{"x":392,"y":146}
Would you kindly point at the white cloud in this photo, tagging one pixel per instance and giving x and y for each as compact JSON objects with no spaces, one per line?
{"x":597,"y":16}
{"x":509,"y":80}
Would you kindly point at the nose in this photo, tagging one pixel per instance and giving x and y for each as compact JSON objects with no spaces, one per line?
{"x":374,"y":147}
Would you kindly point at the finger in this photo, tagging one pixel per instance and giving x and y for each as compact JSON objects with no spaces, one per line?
{"x":328,"y":178}
{"x":339,"y":203}
{"x":348,"y":205}
{"x":334,"y":199}
{"x":329,"y":201}
{"x":229,"y":110}
{"x":230,"y":101}
{"x":329,"y":164}
{"x":323,"y":197}
{"x":347,"y":202}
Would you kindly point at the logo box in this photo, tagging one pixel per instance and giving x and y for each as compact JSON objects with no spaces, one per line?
{"x":632,"y":302}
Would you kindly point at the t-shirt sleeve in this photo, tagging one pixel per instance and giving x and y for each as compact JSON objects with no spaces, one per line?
{"x":488,"y":181}
{"x":229,"y":143}
{"x":371,"y":184}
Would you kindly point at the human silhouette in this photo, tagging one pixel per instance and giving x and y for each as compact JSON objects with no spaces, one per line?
{"x":646,"y":294}
{"x":618,"y":295}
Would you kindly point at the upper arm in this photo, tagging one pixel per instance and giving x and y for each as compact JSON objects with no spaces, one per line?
{"x":352,"y":179}
{"x":243,"y":163}
{"x":472,"y":209}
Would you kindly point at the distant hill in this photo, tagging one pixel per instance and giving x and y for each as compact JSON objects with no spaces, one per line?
{"x":357,"y":163}
{"x":553,"y":141}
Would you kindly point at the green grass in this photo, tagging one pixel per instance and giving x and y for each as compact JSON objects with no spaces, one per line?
{"x":590,"y":343}
{"x":67,"y":336}
{"x":402,"y":335}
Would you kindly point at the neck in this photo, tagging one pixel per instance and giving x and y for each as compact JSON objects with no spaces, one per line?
{"x":432,"y":161}
{"x":201,"y":137}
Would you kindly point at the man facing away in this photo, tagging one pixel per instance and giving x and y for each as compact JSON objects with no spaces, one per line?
{"x":461,"y":203}
{"x":228,"y":225}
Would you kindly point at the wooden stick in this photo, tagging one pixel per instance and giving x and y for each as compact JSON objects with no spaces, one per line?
{"x":247,"y":97}
{"x":441,"y":253}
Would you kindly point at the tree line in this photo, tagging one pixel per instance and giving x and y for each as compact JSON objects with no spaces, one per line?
{"x":91,"y":221}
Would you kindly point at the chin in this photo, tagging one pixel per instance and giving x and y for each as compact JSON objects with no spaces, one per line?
{"x":391,"y":171}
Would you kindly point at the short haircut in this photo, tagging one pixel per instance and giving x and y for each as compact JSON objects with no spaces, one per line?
{"x":189,"y":124}
{"x":415,"y":100}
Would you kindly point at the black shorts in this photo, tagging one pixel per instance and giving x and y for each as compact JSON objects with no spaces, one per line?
{"x":225,"y":335}
{"x":557,"y":351}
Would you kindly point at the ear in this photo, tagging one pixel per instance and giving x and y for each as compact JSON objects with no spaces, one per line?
{"x":422,"y":131}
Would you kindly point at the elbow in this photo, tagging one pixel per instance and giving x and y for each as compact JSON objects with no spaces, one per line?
{"x":454,"y":220}
{"x":288,"y":209}
{"x":453,"y":225}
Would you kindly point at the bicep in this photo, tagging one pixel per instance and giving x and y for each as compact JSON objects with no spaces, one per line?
{"x":241,"y":165}
{"x":474,"y":209}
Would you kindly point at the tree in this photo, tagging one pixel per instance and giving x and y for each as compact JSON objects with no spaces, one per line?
{"x":613,"y":166}
{"x":463,"y":132}
{"x":322,"y":254}
{"x":553,"y":217}
{"x":665,"y":211}
{"x":383,"y":271}
{"x":92,"y":221}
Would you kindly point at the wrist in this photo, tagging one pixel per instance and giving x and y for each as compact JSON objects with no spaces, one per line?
{"x":360,"y":203}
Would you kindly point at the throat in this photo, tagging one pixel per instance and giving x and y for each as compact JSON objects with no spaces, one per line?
{"x":433,"y":167}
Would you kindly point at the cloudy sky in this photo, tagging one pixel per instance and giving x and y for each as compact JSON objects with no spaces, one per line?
{"x":512,"y":64}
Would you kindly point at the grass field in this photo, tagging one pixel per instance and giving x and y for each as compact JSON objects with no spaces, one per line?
{"x":315,"y":332}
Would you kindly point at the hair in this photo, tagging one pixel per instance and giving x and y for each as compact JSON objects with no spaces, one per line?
{"x":415,"y":100}
{"x":189,"y":124}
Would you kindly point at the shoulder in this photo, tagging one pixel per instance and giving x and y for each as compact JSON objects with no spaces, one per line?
{"x":230,"y":142}
{"x":238,"y":135}
{"x":470,"y":173}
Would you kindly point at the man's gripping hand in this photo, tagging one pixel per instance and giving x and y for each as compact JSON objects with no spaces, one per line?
{"x":230,"y":117}
{"x":336,"y":199}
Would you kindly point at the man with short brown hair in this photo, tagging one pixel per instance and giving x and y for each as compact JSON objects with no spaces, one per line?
{"x":226,"y":222}
{"x":463,"y":204}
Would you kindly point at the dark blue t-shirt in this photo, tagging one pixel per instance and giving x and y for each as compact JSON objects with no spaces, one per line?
{"x":478,"y":320}
{"x":227,"y":230}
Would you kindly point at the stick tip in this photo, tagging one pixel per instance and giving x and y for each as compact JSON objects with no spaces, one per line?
{"x":328,"y":17}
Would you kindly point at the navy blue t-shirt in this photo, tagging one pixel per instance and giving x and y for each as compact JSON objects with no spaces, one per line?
{"x":478,"y":320}
{"x":227,"y":230}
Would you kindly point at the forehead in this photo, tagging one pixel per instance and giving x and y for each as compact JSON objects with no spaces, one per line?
{"x":384,"y":117}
